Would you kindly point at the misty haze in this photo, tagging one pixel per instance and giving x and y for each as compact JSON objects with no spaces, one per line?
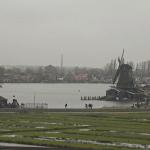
{"x":88,"y":33}
{"x":74,"y":74}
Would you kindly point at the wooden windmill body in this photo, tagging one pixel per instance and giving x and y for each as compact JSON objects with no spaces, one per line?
{"x":125,"y":88}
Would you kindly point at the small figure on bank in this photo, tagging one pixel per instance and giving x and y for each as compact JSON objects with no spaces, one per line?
{"x":65,"y":106}
{"x":15,"y":103}
{"x":90,"y":106}
{"x":86,"y":106}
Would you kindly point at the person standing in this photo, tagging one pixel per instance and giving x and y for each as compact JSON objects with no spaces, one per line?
{"x":66,"y":106}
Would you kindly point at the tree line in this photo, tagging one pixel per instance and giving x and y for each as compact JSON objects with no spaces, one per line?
{"x":52,"y":74}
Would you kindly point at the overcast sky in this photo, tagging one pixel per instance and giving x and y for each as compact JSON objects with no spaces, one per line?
{"x":87,"y":32}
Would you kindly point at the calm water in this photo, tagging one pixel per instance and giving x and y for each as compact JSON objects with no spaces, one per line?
{"x":57,"y":95}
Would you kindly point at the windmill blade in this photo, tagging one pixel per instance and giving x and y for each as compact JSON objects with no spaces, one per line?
{"x":122,"y":57}
{"x":121,"y":61}
{"x":117,"y":72}
{"x":116,"y":75}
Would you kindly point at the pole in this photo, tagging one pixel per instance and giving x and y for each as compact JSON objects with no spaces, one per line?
{"x":34,"y":101}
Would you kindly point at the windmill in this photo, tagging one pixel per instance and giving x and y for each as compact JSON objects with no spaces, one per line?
{"x":125,"y":86}
{"x":124,"y":75}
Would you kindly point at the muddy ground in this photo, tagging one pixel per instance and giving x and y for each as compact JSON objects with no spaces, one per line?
{"x":36,"y":148}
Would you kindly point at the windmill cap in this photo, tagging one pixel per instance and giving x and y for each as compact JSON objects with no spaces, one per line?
{"x":126,"y":66}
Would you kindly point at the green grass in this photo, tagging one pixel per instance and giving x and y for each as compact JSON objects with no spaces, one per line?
{"x":103,"y":127}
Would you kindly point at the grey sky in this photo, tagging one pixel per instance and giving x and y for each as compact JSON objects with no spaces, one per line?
{"x":87,"y":32}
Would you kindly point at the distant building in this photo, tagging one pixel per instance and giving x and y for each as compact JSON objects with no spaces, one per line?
{"x":81,"y":77}
{"x":60,"y":78}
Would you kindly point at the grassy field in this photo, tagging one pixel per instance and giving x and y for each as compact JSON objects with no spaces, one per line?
{"x":106,"y":131}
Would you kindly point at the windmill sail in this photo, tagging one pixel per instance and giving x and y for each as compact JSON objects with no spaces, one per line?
{"x":120,"y":61}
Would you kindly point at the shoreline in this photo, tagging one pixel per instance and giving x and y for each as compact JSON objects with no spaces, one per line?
{"x":75,"y":110}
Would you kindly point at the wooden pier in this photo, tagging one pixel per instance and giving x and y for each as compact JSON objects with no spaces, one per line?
{"x":89,"y":98}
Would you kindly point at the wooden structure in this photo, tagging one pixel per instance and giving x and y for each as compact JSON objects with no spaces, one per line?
{"x":34,"y":105}
{"x":125,"y":88}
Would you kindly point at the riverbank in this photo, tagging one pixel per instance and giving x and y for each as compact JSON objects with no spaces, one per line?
{"x":69,"y":110}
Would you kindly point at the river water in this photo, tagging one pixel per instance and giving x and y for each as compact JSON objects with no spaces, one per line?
{"x":57,"y":95}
